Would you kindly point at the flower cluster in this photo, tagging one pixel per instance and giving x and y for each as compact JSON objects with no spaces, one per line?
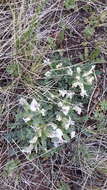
{"x":86,"y":76}
{"x":53,"y":120}
{"x":44,"y":129}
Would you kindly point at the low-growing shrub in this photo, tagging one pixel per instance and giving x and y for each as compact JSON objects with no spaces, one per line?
{"x":54,"y":117}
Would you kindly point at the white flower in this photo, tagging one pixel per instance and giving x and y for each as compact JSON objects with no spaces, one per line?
{"x":70,"y":95}
{"x":47,"y":62}
{"x":89,"y":72}
{"x":62,"y":92}
{"x":23,"y":101}
{"x":53,"y":125}
{"x":43,"y":112}
{"x":60,"y":104}
{"x":68,"y":122}
{"x":78,"y":70}
{"x":72,"y":134}
{"x":34,"y":106}
{"x":70,"y":72}
{"x":78,"y":77}
{"x":71,"y":122}
{"x":77,"y":109}
{"x":57,"y":133}
{"x":37,"y":130}
{"x":57,"y":143}
{"x":58,"y":117}
{"x":52,"y":95}
{"x":28,"y":149}
{"x":77,"y":83}
{"x":59,"y":139}
{"x":33,"y":127}
{"x":59,"y":66}
{"x":26,"y":119}
{"x":83,"y":91}
{"x":48,"y":74}
{"x":34,"y":140}
{"x":36,"y":148}
{"x":90,"y":79}
{"x":65,"y":109}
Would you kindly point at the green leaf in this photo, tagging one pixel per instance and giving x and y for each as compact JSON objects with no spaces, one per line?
{"x":14,"y":69}
{"x":64,"y":186}
{"x":11,"y":166}
{"x":104,"y":105}
{"x":70,"y":4}
{"x":94,"y":54}
{"x":89,"y":31}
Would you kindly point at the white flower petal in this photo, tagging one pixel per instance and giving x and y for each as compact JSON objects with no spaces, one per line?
{"x":72,"y":134}
{"x":43,"y":112}
{"x":56,"y":144}
{"x":57,"y":133}
{"x":33,"y":127}
{"x":62,"y":92}
{"x":78,"y":70}
{"x":77,"y":109}
{"x":59,"y":66}
{"x":48,"y":74}
{"x":70,"y":72}
{"x":58,"y":117}
{"x":70,"y":95}
{"x":26,"y":119}
{"x":47,"y":62}
{"x":52,"y":95}
{"x":78,"y":77}
{"x":34,"y":140}
{"x":23,"y":101}
{"x":66,"y":126}
{"x":65,"y":109}
{"x":83,"y":92}
{"x":68,"y":122}
{"x":53,"y":125}
{"x":71,"y":122}
{"x":34,"y":106}
{"x":90,"y":79}
{"x":60,"y":104}
{"x":28,"y":149}
{"x":89,"y":72}
{"x":77,"y":83}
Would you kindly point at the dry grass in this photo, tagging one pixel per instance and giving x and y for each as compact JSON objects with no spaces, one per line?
{"x":24,"y":43}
